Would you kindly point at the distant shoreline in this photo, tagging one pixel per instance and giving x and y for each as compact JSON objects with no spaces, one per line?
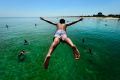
{"x":102,"y":17}
{"x":106,"y":17}
{"x":69,"y":17}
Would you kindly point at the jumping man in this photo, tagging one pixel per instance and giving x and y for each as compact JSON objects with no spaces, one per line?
{"x":61,"y":35}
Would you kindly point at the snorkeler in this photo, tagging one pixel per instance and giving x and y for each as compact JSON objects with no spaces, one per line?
{"x":6,"y":26}
{"x":26,"y":42}
{"x":21,"y":55}
{"x":83,"y":40}
{"x":35,"y":24}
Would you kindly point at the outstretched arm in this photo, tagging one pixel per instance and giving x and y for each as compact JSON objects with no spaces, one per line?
{"x":69,"y":24}
{"x":47,"y":21}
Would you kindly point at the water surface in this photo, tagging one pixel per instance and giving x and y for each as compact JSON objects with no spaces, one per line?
{"x":102,"y":64}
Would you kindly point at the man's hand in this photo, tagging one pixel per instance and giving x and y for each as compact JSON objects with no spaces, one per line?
{"x":69,"y":24}
{"x":41,"y":18}
{"x":48,"y":21}
{"x":80,"y":19}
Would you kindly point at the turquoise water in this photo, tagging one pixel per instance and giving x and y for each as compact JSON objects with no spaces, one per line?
{"x":102,"y":64}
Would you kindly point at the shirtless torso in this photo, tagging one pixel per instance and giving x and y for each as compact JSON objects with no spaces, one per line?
{"x":61,"y":26}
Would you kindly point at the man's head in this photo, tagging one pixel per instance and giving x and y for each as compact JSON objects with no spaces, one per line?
{"x":62,"y":21}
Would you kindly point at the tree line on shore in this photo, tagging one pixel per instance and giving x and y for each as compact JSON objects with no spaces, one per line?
{"x":100,"y":14}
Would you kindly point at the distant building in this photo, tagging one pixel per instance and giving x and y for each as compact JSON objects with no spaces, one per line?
{"x":100,"y":14}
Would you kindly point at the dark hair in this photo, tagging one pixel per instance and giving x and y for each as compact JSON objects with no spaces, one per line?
{"x":62,"y":21}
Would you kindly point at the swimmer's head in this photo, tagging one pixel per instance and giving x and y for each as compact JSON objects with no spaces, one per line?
{"x":23,"y":51}
{"x":62,"y":21}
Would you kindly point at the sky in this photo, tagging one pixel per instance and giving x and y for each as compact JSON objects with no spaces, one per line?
{"x":37,"y":8}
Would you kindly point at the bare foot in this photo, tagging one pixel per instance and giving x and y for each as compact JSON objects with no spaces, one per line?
{"x":77,"y":56}
{"x":46,"y":62}
{"x":76,"y":53}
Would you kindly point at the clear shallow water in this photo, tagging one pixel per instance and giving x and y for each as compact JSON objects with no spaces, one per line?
{"x":102,"y":64}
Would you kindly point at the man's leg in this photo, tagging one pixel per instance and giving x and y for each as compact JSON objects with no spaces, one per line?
{"x":74,"y":48}
{"x":51,"y":49}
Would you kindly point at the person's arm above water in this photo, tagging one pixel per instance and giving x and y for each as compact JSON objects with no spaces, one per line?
{"x":69,"y":24}
{"x":47,"y":21}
